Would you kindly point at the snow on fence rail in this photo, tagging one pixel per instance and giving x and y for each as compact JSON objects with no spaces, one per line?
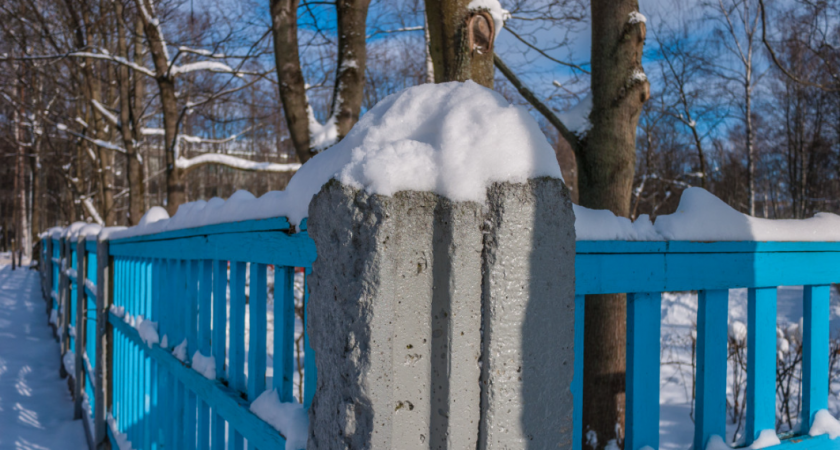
{"x":187,"y":348}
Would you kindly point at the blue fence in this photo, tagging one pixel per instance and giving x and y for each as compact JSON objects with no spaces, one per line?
{"x":206,"y":291}
{"x":644,"y":270}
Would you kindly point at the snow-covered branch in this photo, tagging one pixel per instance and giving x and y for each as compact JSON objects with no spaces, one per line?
{"x":234,"y":163}
{"x":109,"y":116}
{"x":116,"y":59}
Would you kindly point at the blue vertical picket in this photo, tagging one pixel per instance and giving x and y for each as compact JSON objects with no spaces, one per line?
{"x":257,"y":332}
{"x":218,"y":342}
{"x":815,"y":353}
{"x":577,"y":381}
{"x":236,"y":370}
{"x":642,"y":385}
{"x":191,"y":319}
{"x":761,"y":362}
{"x":179,"y":394}
{"x":310,"y":372}
{"x":154,"y":375}
{"x":710,"y":413}
{"x":284,"y":332}
{"x":205,"y":291}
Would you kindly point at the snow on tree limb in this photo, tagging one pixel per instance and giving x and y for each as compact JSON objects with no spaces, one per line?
{"x":234,"y":163}
{"x":116,"y":59}
{"x":110,"y":117}
{"x":92,"y":211}
{"x":212,"y":66}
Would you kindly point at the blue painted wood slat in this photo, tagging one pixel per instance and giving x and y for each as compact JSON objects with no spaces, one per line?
{"x":284,"y":332}
{"x":761,"y":362}
{"x":712,"y":333}
{"x":642,"y":385}
{"x":815,"y":352}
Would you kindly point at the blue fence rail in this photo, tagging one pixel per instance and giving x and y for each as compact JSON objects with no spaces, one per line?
{"x":205,"y":293}
{"x":206,"y":289}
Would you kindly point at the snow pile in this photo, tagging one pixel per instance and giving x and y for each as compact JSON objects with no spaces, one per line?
{"x":71,"y":330}
{"x":72,"y":229}
{"x":703,"y":217}
{"x":205,"y":365}
{"x":825,"y":423}
{"x":454,"y":139}
{"x":164,"y":341}
{"x":180,"y":351}
{"x":121,"y":438}
{"x":602,"y":225}
{"x":290,"y":419}
{"x":717,"y":443}
{"x":54,"y":317}
{"x":90,"y":285}
{"x":577,"y":118}
{"x":767,"y":438}
{"x":118,"y":311}
{"x":636,"y":17}
{"x":69,"y":361}
{"x":321,"y":136}
{"x":91,"y":229}
{"x":737,"y":331}
{"x":499,"y":14}
{"x":55,"y":232}
{"x":148,"y":331}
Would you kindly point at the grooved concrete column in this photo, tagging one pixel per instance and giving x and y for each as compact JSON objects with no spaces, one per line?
{"x":398,"y":297}
{"x":529,"y":317}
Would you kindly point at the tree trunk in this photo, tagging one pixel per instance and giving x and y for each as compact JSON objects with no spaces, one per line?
{"x":175,"y":190}
{"x":128,"y":128}
{"x":606,"y":164}
{"x":750,"y":148}
{"x":450,"y":38}
{"x":352,"y":55}
{"x":290,"y":76}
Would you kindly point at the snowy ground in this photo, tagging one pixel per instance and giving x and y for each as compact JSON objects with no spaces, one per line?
{"x":679,"y":315}
{"x":36,"y":411}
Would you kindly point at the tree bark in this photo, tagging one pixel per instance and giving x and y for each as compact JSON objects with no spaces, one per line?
{"x":291,"y":85}
{"x":175,"y":190}
{"x":449,"y":43}
{"x":352,"y":54}
{"x":606,"y":164}
{"x":128,"y":128}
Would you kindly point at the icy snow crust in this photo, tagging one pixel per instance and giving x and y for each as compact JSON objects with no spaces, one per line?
{"x":454,"y":139}
{"x":703,"y":217}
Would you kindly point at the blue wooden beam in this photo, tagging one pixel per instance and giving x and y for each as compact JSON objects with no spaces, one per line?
{"x":222,"y":399}
{"x":761,"y":362}
{"x":642,"y":385}
{"x":815,"y":353}
{"x":712,"y":332}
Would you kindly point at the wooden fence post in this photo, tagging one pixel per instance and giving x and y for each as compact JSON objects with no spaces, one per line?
{"x":104,"y":345}
{"x":81,"y":303}
{"x":63,"y":302}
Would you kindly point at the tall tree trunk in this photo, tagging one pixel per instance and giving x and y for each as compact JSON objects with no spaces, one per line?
{"x":452,"y":30}
{"x":175,"y":189}
{"x":128,"y":128}
{"x":750,"y":147}
{"x":352,"y":55}
{"x":291,"y":84}
{"x":606,"y":164}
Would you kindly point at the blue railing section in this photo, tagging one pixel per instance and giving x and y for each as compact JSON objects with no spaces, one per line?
{"x":207,"y":290}
{"x":644,"y":270}
{"x":199,"y":286}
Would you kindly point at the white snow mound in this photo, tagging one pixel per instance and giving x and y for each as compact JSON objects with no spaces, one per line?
{"x":825,"y":423}
{"x":701,"y":216}
{"x":454,"y":139}
{"x":290,"y":419}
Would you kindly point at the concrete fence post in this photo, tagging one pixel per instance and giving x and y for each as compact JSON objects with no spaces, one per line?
{"x":104,"y":345}
{"x":441,"y":324}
